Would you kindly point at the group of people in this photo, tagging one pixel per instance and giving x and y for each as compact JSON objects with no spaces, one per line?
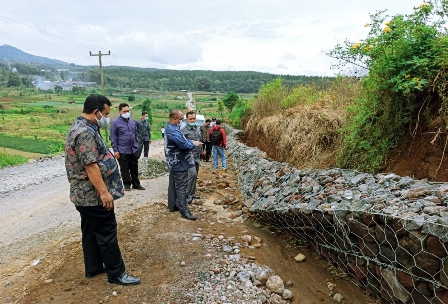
{"x":96,"y":182}
{"x":183,"y":148}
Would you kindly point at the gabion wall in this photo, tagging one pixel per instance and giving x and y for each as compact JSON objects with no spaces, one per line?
{"x":389,"y":232}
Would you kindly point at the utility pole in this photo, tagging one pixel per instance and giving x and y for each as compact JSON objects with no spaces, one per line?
{"x":102,"y":81}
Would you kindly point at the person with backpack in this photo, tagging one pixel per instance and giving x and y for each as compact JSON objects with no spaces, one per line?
{"x":219,"y":144}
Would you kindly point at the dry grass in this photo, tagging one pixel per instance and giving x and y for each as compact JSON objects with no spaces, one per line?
{"x":305,"y":136}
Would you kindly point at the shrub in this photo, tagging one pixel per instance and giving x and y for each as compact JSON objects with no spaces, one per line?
{"x":269,"y":98}
{"x":406,"y":62}
{"x":240,"y":113}
{"x":11,"y":160}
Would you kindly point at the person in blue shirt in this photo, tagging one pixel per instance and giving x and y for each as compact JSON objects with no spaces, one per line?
{"x":179,"y":158}
{"x":123,"y":136}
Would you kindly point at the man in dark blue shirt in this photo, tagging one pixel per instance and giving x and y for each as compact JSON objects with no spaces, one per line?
{"x":179,"y":158}
{"x":123,"y":136}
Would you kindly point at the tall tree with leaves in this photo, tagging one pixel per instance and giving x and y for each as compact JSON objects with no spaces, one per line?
{"x":230,"y":100}
{"x":203,"y":83}
{"x":14,"y":80}
{"x":221,"y":108}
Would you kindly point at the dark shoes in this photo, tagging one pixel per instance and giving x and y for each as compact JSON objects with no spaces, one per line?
{"x":196,"y":197}
{"x":127,"y":188}
{"x":94,"y":273}
{"x":187,"y":215}
{"x":138,"y":188}
{"x":125,"y":279}
{"x":174,"y":209}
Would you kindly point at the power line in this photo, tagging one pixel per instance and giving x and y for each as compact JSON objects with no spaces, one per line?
{"x":46,"y":33}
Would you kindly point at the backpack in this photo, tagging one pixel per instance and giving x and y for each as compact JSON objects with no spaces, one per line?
{"x":216,"y":137}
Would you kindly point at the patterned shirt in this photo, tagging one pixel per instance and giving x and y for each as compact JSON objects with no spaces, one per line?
{"x":177,"y":149}
{"x":205,"y":135}
{"x":83,"y":146}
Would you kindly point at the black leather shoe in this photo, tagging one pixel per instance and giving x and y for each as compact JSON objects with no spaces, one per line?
{"x":138,"y":188}
{"x":125,"y":279}
{"x":127,"y":188}
{"x":174,"y":209}
{"x":94,"y":273}
{"x":196,"y":197}
{"x":187,"y":215}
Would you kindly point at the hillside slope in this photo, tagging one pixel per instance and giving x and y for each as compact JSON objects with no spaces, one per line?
{"x":310,"y":138}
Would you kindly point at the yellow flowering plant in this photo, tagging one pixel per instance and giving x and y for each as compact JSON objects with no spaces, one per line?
{"x":403,"y":59}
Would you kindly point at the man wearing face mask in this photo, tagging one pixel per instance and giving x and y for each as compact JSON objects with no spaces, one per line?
{"x":94,"y":185}
{"x":124,"y":140}
{"x":178,"y":159}
{"x":143,"y":134}
{"x":191,"y":131}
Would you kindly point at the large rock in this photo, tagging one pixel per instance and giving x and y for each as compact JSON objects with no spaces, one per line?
{"x":275,"y":284}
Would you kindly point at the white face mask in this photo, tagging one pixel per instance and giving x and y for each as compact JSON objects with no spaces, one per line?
{"x":103,"y":121}
{"x":126,"y":115}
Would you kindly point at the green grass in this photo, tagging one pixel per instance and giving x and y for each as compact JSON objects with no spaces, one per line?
{"x":11,"y":160}
{"x":30,"y":144}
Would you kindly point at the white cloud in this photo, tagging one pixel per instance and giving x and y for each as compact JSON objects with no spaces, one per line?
{"x":284,"y":36}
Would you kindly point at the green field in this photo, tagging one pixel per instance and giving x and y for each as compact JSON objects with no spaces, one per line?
{"x":38,"y":123}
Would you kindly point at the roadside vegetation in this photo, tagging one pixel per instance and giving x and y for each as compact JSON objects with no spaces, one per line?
{"x":398,"y":89}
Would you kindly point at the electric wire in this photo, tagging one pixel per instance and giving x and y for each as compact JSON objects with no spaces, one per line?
{"x":47,"y":34}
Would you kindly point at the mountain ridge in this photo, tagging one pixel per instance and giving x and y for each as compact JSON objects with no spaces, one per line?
{"x":9,"y":53}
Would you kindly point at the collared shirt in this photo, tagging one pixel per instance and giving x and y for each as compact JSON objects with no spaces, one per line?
{"x":123,"y":135}
{"x":193,"y":133}
{"x":83,"y":146}
{"x":205,"y":135}
{"x":143,"y":130}
{"x":177,"y":149}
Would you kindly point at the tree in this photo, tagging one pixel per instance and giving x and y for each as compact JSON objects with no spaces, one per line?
{"x":230,"y":100}
{"x":131,"y":98}
{"x":58,"y":89}
{"x":147,"y":107}
{"x":220,"y":108}
{"x":203,"y":83}
{"x":78,"y":90}
{"x":13,"y":80}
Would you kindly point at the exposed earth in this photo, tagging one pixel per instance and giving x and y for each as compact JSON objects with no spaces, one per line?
{"x":41,"y":255}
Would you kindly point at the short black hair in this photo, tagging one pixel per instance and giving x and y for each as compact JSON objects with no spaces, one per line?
{"x":207,"y":120}
{"x":144,"y":113}
{"x":189,"y":113}
{"x":218,"y":121}
{"x":122,"y":105}
{"x":95,"y":102}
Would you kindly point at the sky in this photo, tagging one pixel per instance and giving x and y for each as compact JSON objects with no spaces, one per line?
{"x":285,"y":37}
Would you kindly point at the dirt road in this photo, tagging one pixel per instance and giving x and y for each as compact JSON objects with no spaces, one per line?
{"x":41,"y":256}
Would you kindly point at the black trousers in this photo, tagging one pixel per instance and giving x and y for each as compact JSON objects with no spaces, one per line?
{"x":99,"y":240}
{"x":177,"y":190}
{"x":129,"y":169}
{"x":208,"y":150}
{"x":143,"y":146}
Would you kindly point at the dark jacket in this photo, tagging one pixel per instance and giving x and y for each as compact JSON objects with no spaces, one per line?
{"x":177,"y":149}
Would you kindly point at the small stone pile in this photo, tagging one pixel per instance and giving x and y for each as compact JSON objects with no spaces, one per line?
{"x":35,"y":172}
{"x":151,"y":167}
{"x":233,"y":278}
